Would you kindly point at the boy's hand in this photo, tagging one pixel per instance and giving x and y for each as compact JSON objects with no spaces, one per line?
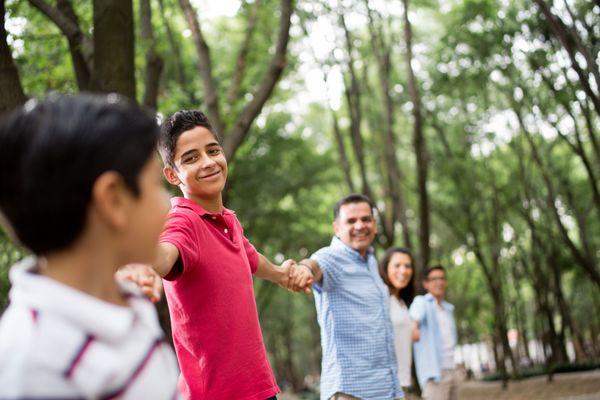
{"x":286,"y":274}
{"x":145,"y":277}
{"x":302,"y":278}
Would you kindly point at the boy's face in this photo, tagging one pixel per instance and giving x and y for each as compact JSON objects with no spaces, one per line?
{"x":200,"y":167}
{"x":147,"y":213}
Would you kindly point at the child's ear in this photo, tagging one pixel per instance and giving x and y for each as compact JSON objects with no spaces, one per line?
{"x":111,"y":199}
{"x":171,"y":176}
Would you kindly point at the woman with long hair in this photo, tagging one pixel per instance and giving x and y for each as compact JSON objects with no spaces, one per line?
{"x":396,"y":269}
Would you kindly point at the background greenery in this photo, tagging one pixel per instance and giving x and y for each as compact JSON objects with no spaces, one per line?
{"x":481,"y":116}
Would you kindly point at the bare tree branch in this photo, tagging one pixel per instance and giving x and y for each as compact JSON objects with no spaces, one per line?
{"x":572,"y":43}
{"x":80,"y":46}
{"x":241,"y":127}
{"x":211,"y":94}
{"x":240,"y":63}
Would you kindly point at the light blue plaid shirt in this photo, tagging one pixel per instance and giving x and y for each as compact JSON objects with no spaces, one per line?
{"x":356,"y":332}
{"x":428,"y":350}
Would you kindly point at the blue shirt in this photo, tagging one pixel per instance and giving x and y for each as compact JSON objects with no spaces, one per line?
{"x":428,"y":350}
{"x":356,"y":332}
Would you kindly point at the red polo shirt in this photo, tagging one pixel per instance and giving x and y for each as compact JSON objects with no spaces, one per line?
{"x":214,"y":319}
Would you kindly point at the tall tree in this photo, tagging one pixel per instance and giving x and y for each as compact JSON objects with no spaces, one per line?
{"x":419,"y":143}
{"x":113,"y":60}
{"x":11,"y":91}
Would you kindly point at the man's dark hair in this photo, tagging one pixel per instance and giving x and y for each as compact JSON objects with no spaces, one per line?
{"x":51,"y":153}
{"x":351,"y":198}
{"x":429,"y":270}
{"x":174,"y":126}
{"x":407,"y":294}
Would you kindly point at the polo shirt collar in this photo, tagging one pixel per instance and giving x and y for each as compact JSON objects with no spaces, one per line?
{"x":445,"y":304}
{"x":38,"y":292}
{"x":197,"y":208}
{"x":336,"y":243}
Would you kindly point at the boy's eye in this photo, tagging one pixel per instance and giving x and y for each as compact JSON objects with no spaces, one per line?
{"x":214,"y":151}
{"x":190,"y":159}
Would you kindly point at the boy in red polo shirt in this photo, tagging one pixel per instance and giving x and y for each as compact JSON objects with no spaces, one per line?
{"x":207,"y":265}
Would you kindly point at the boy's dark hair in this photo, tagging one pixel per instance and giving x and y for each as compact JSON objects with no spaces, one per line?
{"x":351,"y":198}
{"x":407,"y":294}
{"x":51,"y":153}
{"x":429,"y":270}
{"x":174,"y":126}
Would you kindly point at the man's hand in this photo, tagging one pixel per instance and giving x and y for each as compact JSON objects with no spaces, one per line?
{"x":145,"y":277}
{"x":294,"y":277}
{"x":302,"y":278}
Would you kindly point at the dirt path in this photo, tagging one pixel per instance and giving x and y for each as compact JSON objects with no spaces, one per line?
{"x":572,"y":386}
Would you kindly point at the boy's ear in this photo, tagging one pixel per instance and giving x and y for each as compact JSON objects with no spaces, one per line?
{"x":171,"y":176}
{"x":111,"y":199}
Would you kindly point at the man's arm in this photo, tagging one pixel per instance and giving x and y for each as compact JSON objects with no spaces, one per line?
{"x":288,"y":275}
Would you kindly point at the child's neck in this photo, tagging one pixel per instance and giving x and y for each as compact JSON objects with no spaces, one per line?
{"x":212,"y":205}
{"x":93,"y":275}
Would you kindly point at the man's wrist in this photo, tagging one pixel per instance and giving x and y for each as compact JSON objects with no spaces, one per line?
{"x":307,"y":265}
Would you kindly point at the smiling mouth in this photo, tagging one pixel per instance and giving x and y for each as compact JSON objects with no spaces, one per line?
{"x":210,"y":175}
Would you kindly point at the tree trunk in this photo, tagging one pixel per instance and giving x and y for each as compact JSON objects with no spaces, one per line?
{"x":211,"y":96}
{"x":240,"y":63}
{"x":382,"y":53}
{"x":113,"y":47}
{"x":344,"y":163}
{"x":11,"y":91}
{"x":80,"y":46}
{"x":154,"y":62}
{"x":420,"y":145}
{"x":175,"y":55}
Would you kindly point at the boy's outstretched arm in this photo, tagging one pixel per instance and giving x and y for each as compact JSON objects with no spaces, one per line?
{"x":148,"y":277}
{"x":288,"y":275}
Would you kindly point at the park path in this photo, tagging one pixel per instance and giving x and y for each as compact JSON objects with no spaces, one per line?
{"x":571,"y":386}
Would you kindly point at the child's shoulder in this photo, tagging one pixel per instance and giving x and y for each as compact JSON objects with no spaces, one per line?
{"x":36,"y":349}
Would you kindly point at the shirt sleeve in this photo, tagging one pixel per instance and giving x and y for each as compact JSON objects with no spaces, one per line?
{"x":417,"y":309}
{"x":329,"y":268}
{"x":252,"y":254}
{"x":180,"y":233}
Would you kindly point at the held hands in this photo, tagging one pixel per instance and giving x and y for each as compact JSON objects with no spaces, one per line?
{"x":415,"y":333}
{"x":295,"y":277}
{"x":145,"y":277}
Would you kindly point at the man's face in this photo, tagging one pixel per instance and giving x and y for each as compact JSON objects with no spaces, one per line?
{"x":436,"y":284}
{"x":355,"y":226}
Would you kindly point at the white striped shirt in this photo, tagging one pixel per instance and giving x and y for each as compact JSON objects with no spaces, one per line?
{"x":58,"y":342}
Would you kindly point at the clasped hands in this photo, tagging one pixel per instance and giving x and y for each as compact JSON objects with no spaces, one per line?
{"x":295,"y":277}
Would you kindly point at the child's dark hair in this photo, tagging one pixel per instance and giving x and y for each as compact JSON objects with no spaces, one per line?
{"x":174,"y":126}
{"x":51,"y":153}
{"x":429,"y":270}
{"x":407,"y":294}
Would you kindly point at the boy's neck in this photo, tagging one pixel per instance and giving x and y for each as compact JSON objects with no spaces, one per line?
{"x":212,"y":205}
{"x":93,"y":275}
